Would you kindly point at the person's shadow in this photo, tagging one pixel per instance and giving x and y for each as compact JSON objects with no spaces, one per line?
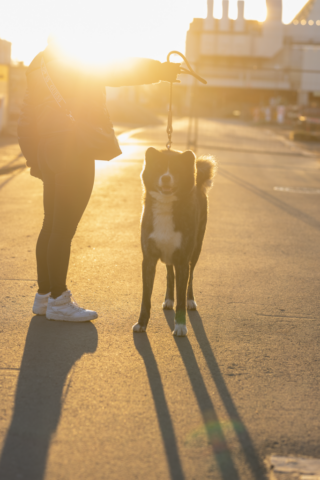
{"x":51,"y":350}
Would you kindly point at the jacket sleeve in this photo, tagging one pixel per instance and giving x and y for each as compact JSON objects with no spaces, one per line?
{"x":133,"y":71}
{"x":27,"y":135}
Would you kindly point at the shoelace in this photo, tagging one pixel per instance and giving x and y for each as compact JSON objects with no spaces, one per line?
{"x":73,"y":303}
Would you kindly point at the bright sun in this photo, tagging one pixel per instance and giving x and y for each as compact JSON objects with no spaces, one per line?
{"x":98,"y":31}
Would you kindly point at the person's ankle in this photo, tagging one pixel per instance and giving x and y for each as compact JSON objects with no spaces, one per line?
{"x":54,"y":296}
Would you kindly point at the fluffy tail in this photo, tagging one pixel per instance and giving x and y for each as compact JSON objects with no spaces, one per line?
{"x":206,"y":170}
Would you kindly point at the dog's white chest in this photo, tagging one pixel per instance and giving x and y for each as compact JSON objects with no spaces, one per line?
{"x":164,"y":235}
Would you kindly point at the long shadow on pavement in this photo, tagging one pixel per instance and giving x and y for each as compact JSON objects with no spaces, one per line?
{"x":252,"y":458}
{"x":11,"y":166}
{"x":211,"y":422}
{"x":143,"y":346}
{"x":11,"y":177}
{"x":51,"y":350}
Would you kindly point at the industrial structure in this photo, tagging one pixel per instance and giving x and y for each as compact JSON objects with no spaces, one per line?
{"x":256,"y":63}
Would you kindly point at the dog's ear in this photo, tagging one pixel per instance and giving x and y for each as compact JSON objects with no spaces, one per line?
{"x":152,"y":154}
{"x":189,"y":157}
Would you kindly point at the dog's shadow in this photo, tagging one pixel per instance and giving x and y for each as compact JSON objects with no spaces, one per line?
{"x":213,"y":428}
{"x":214,"y":432}
{"x":144,"y":348}
{"x":215,"y":435}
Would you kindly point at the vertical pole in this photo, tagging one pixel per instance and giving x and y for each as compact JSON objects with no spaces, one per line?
{"x":192,"y":136}
{"x":169,"y":127}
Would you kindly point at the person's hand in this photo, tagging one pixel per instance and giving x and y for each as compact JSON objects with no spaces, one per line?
{"x":169,"y":72}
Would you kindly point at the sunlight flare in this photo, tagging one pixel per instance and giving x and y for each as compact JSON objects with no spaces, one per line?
{"x":98,"y":32}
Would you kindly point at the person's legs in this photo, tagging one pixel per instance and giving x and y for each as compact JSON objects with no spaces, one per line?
{"x":48,"y":178}
{"x":73,"y":188}
{"x":68,"y":186}
{"x":72,"y":192}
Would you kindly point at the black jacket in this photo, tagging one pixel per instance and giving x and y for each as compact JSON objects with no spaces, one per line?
{"x":84,"y":91}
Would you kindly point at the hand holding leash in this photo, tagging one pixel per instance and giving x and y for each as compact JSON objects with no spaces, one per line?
{"x":189,"y":70}
{"x":170,"y":71}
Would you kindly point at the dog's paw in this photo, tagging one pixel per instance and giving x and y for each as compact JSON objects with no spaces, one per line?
{"x":168,"y":304}
{"x":191,"y":305}
{"x":180,"y":330}
{"x":138,"y":328}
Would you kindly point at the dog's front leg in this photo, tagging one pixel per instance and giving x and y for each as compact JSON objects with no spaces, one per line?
{"x":169,"y":300}
{"x":182,"y":276}
{"x":148,"y":273}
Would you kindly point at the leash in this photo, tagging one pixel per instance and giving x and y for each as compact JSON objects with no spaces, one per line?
{"x":188,"y":71}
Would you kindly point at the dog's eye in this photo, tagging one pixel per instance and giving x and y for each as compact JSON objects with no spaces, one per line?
{"x":175,"y":166}
{"x":159,"y":167}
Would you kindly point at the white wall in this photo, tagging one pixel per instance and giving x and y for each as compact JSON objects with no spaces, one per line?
{"x":310,"y":82}
{"x":303,"y":33}
{"x":5,"y":52}
{"x":1,"y":112}
{"x":266,"y":45}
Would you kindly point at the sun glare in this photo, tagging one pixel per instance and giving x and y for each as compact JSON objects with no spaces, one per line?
{"x":98,"y":32}
{"x":101,"y":31}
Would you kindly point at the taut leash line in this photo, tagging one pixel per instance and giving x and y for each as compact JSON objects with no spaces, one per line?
{"x":188,"y":71}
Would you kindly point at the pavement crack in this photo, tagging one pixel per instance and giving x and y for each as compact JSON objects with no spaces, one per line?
{"x":17,"y":280}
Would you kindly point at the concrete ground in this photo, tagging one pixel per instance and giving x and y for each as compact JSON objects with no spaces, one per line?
{"x":93,"y":401}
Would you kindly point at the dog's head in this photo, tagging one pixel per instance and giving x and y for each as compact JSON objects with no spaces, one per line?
{"x":168,"y":172}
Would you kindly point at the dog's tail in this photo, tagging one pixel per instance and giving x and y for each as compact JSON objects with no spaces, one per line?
{"x":206,"y":170}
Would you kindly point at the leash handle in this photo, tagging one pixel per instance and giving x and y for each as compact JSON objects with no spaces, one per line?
{"x":184,"y":70}
{"x":188,"y":72}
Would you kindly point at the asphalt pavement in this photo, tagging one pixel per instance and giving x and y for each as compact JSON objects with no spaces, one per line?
{"x":95,"y":401}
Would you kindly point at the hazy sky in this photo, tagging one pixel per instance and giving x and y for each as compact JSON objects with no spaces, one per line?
{"x":103,"y":29}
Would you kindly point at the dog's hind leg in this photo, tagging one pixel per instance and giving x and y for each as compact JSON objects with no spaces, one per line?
{"x":182,"y":275}
{"x":169,"y":300}
{"x":191,"y":303}
{"x":148,"y":274}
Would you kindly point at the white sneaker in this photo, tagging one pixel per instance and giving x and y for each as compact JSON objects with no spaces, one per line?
{"x":40,"y":304}
{"x":64,"y":308}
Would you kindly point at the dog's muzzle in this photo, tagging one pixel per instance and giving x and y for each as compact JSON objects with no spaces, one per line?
{"x":166,"y":184}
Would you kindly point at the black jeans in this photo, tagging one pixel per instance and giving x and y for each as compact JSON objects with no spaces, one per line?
{"x":67,"y":187}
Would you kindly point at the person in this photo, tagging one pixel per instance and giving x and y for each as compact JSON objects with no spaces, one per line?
{"x":66,"y":171}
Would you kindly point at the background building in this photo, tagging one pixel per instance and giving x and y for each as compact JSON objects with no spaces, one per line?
{"x":251,"y":63}
{"x":12,"y":89}
{"x":5,"y":59}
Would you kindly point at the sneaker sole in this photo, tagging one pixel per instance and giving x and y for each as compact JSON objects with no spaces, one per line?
{"x":62,"y":318}
{"x":39,"y":311}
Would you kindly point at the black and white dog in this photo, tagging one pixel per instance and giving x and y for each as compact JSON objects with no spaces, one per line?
{"x":173,"y":226}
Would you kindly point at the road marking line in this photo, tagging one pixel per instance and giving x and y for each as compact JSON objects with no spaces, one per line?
{"x":303,"y":190}
{"x":303,"y":466}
